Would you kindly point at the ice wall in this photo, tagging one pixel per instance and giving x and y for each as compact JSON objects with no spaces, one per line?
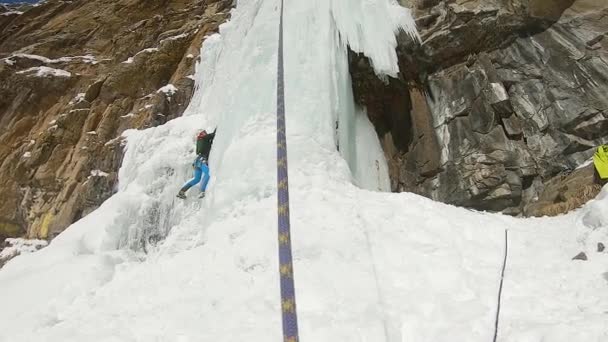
{"x":353,"y":19}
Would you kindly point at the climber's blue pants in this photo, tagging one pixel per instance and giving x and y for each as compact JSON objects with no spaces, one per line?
{"x":201,"y":170}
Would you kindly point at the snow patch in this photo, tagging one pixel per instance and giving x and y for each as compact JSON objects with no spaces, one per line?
{"x":21,"y":246}
{"x":43,"y":71}
{"x":6,"y":14}
{"x":98,"y":173}
{"x":144,"y":51}
{"x":585,"y":163}
{"x":89,"y":59}
{"x":179,"y":36}
{"x":33,"y":57}
{"x":148,"y":50}
{"x":113,"y":141}
{"x":77,"y":99}
{"x":500,"y":91}
{"x":27,"y":154}
{"x":169,"y":90}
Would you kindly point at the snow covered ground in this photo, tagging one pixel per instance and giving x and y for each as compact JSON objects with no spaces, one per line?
{"x":369,"y":265}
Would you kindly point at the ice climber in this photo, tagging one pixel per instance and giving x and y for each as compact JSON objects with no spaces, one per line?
{"x":204,"y":141}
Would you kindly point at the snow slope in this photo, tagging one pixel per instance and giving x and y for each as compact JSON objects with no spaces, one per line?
{"x":370,"y":266}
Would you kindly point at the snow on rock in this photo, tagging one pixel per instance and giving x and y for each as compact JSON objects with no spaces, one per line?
{"x":144,"y":51}
{"x":89,"y":59}
{"x":80,"y":110}
{"x":99,"y":173}
{"x":27,"y":154}
{"x":6,"y":14}
{"x":585,"y":163}
{"x":113,"y":141}
{"x":34,"y":57}
{"x":43,"y":71}
{"x":369,"y":265}
{"x":129,"y":115}
{"x":147,"y":50}
{"x":169,"y":90}
{"x":20,"y":246}
{"x":78,"y":98}
{"x":176,"y":37}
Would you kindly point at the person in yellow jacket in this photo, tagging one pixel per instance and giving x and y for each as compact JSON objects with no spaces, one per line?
{"x":600,"y":160}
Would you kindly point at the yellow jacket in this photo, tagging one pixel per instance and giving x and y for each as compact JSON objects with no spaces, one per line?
{"x":600,"y":160}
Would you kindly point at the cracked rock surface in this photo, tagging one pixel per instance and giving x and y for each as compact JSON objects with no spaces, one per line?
{"x":499,"y":102}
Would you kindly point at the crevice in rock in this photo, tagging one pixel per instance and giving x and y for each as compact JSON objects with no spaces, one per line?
{"x":388,"y":103}
{"x":400,"y":112}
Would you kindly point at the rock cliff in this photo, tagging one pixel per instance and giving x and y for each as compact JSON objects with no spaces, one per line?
{"x":493,"y":110}
{"x":76,"y":74}
{"x":498,"y":99}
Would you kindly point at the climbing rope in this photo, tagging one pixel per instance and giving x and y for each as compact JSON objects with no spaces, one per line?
{"x":378,"y":282}
{"x":288,"y":295}
{"x":502,"y":278}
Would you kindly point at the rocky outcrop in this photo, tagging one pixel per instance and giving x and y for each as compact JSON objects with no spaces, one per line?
{"x":76,"y":74}
{"x":565,"y":192}
{"x":498,"y":99}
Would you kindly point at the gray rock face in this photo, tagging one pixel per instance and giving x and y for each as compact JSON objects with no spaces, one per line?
{"x":516,"y":93}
